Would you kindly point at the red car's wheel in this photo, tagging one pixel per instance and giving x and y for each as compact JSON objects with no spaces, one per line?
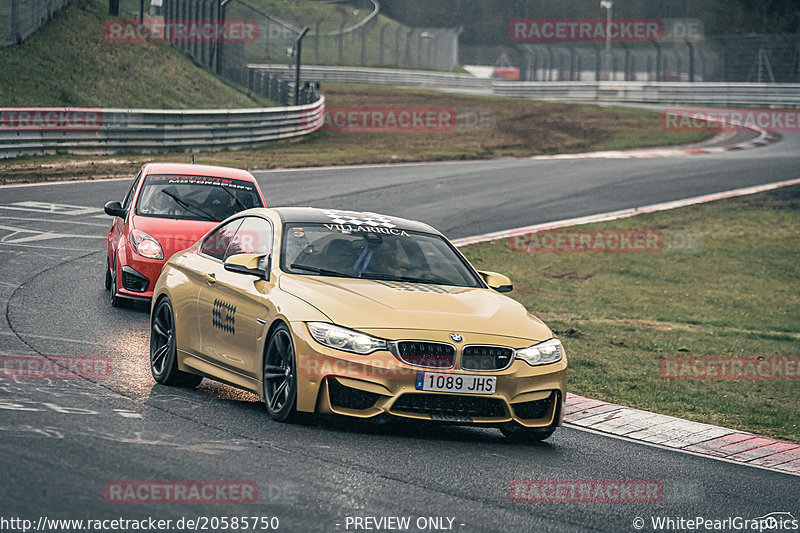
{"x":108,"y":275}
{"x":116,"y":301}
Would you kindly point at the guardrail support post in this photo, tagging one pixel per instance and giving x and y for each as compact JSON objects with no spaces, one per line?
{"x":597,"y":64}
{"x":221,"y":21}
{"x":298,"y":51}
{"x":341,"y":42}
{"x":316,"y":41}
{"x":380,"y":46}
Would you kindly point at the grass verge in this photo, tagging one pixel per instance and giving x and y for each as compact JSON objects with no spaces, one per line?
{"x":68,"y":62}
{"x":727,"y":288}
{"x":489,"y":128}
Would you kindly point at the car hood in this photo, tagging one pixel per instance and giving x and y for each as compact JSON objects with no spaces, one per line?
{"x":173,"y":235}
{"x":370,"y":304}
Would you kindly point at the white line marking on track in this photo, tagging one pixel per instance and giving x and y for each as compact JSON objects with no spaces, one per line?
{"x":48,"y":338}
{"x":55,"y":209}
{"x":40,"y":235}
{"x":64,"y":182}
{"x":71,"y":222}
{"x":624,"y":213}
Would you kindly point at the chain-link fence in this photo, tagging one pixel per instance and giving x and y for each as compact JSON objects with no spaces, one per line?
{"x":371,"y":40}
{"x":20,"y":18}
{"x":728,"y":58}
{"x":365,"y":39}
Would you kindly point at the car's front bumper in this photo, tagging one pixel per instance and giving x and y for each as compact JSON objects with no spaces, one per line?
{"x":333,"y":381}
{"x":138,"y":275}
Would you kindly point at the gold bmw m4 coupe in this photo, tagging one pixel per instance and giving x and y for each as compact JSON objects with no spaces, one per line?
{"x":354,"y":314}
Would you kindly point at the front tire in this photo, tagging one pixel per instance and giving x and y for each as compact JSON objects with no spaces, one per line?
{"x":116,"y":301}
{"x":108,"y":275}
{"x":280,"y":376}
{"x":163,"y":349}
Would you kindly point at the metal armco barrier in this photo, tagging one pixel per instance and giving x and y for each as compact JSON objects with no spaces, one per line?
{"x":723,"y":93}
{"x":380,"y":76}
{"x":73,"y":130}
{"x":784,"y":94}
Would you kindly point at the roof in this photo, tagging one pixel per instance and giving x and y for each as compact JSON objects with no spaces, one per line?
{"x":198,"y":170}
{"x":355,"y":218}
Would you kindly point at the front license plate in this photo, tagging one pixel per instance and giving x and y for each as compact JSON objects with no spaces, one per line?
{"x":464,"y":383}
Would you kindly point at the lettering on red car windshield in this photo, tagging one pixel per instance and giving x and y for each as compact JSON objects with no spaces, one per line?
{"x":199,"y":180}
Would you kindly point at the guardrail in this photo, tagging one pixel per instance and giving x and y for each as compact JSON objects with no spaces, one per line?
{"x":38,"y":131}
{"x":380,"y":76}
{"x":785,"y":94}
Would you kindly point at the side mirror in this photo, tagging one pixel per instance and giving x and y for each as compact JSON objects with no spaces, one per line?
{"x":252,"y":264}
{"x":496,"y":281}
{"x":114,"y":209}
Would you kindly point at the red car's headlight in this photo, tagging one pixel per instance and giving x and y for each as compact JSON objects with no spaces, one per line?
{"x":146,"y":245}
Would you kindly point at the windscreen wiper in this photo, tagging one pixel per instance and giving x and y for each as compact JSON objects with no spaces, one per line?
{"x":191,"y":207}
{"x":408,"y":279}
{"x":235,"y":199}
{"x":323,"y":271}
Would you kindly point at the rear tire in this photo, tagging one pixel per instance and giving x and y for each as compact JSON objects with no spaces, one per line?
{"x":279,"y":376}
{"x":163,"y":349}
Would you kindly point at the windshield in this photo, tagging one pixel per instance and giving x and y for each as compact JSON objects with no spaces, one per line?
{"x":376,"y":253}
{"x":195,"y":197}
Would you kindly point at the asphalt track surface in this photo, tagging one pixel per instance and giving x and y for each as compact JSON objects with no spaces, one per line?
{"x":62,"y":441}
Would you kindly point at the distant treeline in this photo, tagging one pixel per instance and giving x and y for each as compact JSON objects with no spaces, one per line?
{"x":486,"y":21}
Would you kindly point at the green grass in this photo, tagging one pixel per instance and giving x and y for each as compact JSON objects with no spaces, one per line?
{"x":732,"y":291}
{"x":69,"y":63}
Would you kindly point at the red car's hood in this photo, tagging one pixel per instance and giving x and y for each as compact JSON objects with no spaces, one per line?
{"x":173,"y":235}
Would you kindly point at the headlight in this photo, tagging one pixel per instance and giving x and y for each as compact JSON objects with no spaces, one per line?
{"x":345,"y":339}
{"x":541,"y":354}
{"x":146,"y":245}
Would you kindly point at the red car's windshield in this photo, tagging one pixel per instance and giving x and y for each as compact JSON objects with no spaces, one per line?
{"x":195,"y":197}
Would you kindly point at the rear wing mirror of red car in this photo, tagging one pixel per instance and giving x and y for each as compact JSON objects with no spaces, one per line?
{"x":114,"y":209}
{"x":496,"y":281}
{"x":250,"y":264}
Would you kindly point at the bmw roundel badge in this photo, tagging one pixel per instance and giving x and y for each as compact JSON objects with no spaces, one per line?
{"x":455,"y":337}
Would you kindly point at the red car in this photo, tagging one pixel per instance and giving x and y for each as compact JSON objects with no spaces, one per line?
{"x":168,"y":208}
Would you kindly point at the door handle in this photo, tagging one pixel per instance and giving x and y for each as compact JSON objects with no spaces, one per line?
{"x":210,"y":277}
